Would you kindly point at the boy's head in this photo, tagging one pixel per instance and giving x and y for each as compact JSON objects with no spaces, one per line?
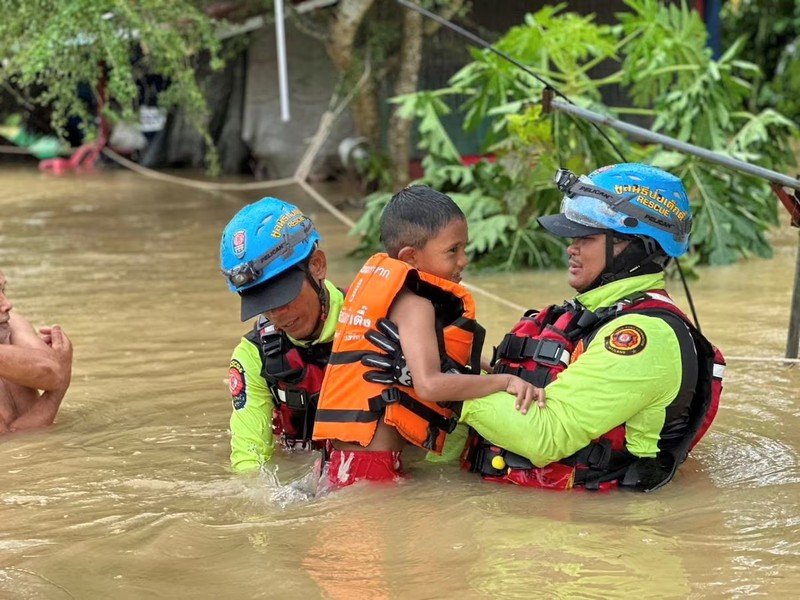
{"x":426,"y":229}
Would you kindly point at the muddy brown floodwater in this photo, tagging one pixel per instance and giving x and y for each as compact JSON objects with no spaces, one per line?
{"x":129,"y":494}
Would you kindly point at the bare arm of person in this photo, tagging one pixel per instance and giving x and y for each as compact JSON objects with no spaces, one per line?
{"x":414,"y":317}
{"x":42,"y":411}
{"x":23,"y":334}
{"x":36,"y":369}
{"x":27,"y":360}
{"x":56,"y":362}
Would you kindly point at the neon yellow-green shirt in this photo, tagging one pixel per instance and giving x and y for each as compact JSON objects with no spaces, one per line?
{"x":252,"y":441}
{"x":602,"y":389}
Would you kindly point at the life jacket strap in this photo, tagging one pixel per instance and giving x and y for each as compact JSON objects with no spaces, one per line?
{"x":595,"y":455}
{"x":276,"y":367}
{"x":719,"y":370}
{"x":396,"y":396}
{"x":296,"y":399}
{"x":546,"y":352}
{"x":539,"y":376}
{"x":483,"y":455}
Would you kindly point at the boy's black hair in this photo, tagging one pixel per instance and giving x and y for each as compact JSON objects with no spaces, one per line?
{"x":415,"y":215}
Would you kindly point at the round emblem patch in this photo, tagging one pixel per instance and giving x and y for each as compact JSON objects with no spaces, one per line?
{"x":239,"y":243}
{"x":237,"y":385}
{"x":626,"y":340}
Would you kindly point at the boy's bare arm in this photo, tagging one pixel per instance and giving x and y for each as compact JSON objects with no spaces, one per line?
{"x":414,"y":317}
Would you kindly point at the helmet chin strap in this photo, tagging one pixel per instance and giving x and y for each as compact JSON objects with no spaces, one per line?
{"x":322,"y":295}
{"x":608,"y":275}
{"x":642,"y":256}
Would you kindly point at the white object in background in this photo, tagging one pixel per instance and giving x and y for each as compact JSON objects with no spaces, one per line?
{"x":353,"y":149}
{"x":151,"y":119}
{"x":127,"y":136}
{"x":280,"y":41}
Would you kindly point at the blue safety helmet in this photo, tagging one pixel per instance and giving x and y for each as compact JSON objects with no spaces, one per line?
{"x":263,"y":252}
{"x":630,"y":199}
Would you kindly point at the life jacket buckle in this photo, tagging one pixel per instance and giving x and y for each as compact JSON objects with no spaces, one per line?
{"x":271,"y":344}
{"x":483,"y":461}
{"x":451,"y":424}
{"x":548,"y":352}
{"x":295,"y":399}
{"x":511,"y":347}
{"x":390,"y":396}
{"x":599,"y":455}
{"x":430,"y":441}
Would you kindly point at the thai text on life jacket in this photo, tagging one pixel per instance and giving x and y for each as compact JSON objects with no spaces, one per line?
{"x":351,"y":407}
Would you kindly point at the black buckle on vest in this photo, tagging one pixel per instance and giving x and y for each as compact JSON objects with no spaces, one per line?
{"x":296,"y":443}
{"x":297,"y":399}
{"x":276,"y":367}
{"x":450,"y":424}
{"x":271,"y":344}
{"x":390,"y":396}
{"x":599,"y":455}
{"x":595,"y":455}
{"x":548,"y":352}
{"x":511,"y":347}
{"x":482,"y":461}
{"x":486,"y":452}
{"x":516,"y":348}
{"x":394,"y":395}
{"x":430,"y":441}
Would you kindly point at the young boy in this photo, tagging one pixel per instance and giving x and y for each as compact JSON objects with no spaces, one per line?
{"x":415,"y":285}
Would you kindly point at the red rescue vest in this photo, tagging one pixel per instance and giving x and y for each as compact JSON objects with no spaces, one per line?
{"x":294,"y":377}
{"x":544,"y":343}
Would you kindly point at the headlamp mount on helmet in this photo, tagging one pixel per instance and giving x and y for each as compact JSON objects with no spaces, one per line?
{"x":246,"y":273}
{"x":574,"y":186}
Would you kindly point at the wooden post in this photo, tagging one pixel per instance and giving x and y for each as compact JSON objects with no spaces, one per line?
{"x":793,"y":339}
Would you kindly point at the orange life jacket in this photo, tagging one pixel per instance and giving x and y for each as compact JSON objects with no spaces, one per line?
{"x":349,"y":406}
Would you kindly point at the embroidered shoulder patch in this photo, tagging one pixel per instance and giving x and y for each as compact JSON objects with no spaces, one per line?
{"x":626,"y":340}
{"x":237,"y":384}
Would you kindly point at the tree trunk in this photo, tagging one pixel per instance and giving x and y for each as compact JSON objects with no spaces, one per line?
{"x":399,"y":134}
{"x":365,"y":111}
{"x":342,"y":32}
{"x":343,"y":29}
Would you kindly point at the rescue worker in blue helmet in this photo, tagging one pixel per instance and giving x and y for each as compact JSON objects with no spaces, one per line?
{"x":631,"y":384}
{"x":270,"y":256}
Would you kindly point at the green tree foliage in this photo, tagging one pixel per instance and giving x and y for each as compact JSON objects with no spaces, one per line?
{"x":49,"y":48}
{"x":663,"y":64}
{"x":770,"y":32}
